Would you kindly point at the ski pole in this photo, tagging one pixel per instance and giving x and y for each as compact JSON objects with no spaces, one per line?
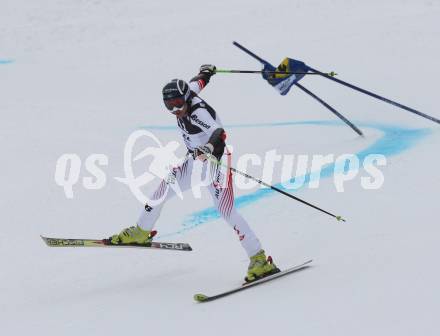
{"x":331,"y":73}
{"x":219,"y":163}
{"x":374,"y":95}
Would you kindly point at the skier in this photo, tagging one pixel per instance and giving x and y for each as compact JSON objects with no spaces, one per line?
{"x":204,"y":136}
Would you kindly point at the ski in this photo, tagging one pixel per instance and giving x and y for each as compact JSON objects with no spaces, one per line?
{"x":69,"y":242}
{"x":205,"y":298}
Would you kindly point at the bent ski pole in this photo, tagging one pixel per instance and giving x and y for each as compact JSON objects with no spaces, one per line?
{"x":374,"y":95}
{"x":219,"y":163}
{"x":339,"y":115}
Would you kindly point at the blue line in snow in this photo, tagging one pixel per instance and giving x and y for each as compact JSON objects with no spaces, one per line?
{"x":6,"y":61}
{"x":394,"y":141}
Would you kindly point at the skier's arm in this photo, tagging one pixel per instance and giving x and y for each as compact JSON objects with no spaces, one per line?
{"x":198,"y":83}
{"x":217,"y":136}
{"x":215,"y":146}
{"x":217,"y":139}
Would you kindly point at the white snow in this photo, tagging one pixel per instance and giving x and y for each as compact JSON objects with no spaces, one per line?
{"x":80,"y":76}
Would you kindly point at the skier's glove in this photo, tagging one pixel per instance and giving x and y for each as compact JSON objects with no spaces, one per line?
{"x":208,"y":69}
{"x":202,"y":152}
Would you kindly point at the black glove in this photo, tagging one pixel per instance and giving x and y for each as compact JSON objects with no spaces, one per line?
{"x":202,"y":151}
{"x":208,"y":69}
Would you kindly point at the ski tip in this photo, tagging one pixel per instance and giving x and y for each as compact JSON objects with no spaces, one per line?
{"x":200,"y":297}
{"x":44,"y":239}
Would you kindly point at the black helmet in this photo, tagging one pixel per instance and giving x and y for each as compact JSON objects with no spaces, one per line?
{"x":177,"y":88}
{"x":175,"y":94}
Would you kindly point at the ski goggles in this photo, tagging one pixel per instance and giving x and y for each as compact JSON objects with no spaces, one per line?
{"x":175,"y":104}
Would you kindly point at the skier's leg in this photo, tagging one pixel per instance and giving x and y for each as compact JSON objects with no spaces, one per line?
{"x":178,"y":180}
{"x":222,"y":193}
{"x":223,"y":196}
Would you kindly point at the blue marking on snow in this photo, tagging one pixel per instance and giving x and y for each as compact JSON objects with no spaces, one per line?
{"x":394,"y":141}
{"x":6,"y":61}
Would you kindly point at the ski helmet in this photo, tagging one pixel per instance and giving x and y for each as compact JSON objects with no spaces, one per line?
{"x":175,"y":94}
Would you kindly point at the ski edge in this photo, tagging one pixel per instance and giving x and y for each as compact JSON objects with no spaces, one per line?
{"x":205,"y":298}
{"x":72,"y":242}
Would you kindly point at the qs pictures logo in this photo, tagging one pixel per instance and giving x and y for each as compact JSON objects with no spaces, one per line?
{"x":69,"y":166}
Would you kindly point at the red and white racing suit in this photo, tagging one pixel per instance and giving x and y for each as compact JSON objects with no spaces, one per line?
{"x":197,"y":127}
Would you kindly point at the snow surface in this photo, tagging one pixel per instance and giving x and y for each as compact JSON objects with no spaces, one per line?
{"x":80,"y":76}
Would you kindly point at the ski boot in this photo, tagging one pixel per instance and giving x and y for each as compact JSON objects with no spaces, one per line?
{"x":132,"y":235}
{"x":260,"y":267}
